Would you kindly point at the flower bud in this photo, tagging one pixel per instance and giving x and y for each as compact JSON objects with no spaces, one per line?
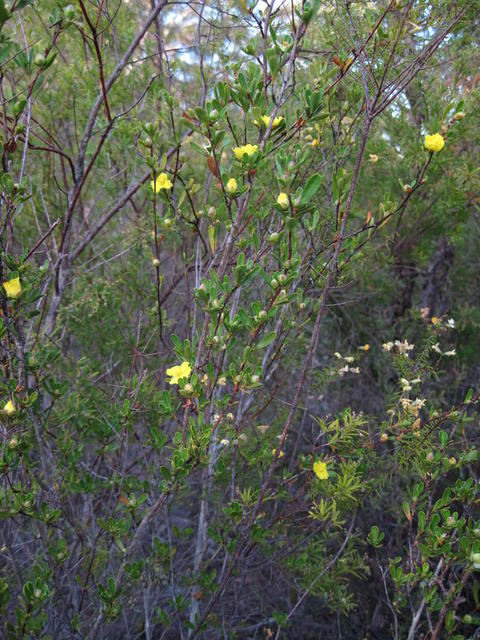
{"x":39,"y":59}
{"x":69,"y":12}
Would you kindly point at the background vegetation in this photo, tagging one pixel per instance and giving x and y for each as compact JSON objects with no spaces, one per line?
{"x":239,"y":359}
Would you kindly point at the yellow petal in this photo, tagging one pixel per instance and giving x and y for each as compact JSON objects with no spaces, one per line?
{"x":282,"y":200}
{"x":231,"y":186}
{"x":9,"y":408}
{"x":248,"y":149}
{"x":320,"y":470}
{"x":162,"y":182}
{"x":12,"y":287}
{"x":434,"y":142}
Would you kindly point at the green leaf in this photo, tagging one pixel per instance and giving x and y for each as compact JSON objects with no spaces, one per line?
{"x":266,"y":340}
{"x":311,"y":188}
{"x":4,"y":13}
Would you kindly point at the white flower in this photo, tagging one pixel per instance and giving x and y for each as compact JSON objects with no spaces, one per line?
{"x":343,"y":370}
{"x":403,"y":347}
{"x":387,"y":346}
{"x":349,"y":358}
{"x":355,"y":369}
{"x":451,"y":323}
{"x":225,"y":442}
{"x":243,"y":437}
{"x":436,"y":347}
{"x":338,"y":355}
{"x":418,"y":403}
{"x":406,"y":386}
{"x":450,"y":353}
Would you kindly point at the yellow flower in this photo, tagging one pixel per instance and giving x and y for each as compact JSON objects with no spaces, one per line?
{"x":280,"y":453}
{"x":266,"y":121}
{"x":162,"y":182}
{"x":231,"y":186}
{"x":434,"y":142}
{"x":248,"y":149}
{"x":373,"y":158}
{"x":366,"y":347}
{"x":315,"y":143}
{"x":282,"y":200}
{"x":320,"y":470}
{"x":13,"y":287}
{"x":9,"y":408}
{"x":179,"y":372}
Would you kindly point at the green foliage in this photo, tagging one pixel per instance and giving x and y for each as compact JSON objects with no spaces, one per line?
{"x":239,"y":319}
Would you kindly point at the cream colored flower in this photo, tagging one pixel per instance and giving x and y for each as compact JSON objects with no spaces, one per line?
{"x":403,"y":347}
